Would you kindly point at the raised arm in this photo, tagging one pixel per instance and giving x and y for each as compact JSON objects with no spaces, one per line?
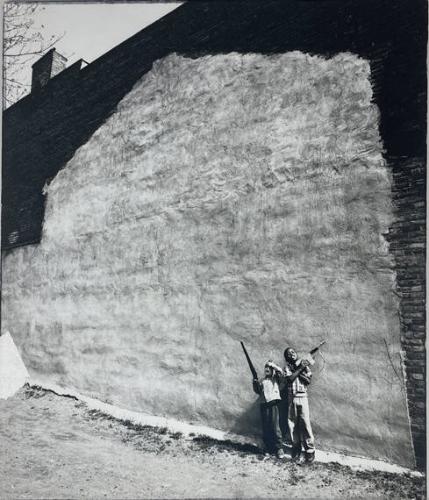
{"x":276,"y":368}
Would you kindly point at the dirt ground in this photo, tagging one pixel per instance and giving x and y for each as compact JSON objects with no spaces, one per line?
{"x":55,"y":447}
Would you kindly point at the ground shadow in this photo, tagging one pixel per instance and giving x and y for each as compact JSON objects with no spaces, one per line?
{"x":249,"y":422}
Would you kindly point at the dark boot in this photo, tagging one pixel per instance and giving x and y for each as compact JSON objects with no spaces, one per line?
{"x":296,"y":452}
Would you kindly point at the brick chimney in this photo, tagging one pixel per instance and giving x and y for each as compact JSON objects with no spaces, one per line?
{"x":46,"y":67}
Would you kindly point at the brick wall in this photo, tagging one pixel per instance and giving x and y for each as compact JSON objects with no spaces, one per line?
{"x":42,"y":131}
{"x":408,"y":243}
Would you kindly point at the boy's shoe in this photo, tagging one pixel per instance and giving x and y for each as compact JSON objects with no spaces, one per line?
{"x":296,"y":453}
{"x":281,"y":454}
{"x":309,"y":457}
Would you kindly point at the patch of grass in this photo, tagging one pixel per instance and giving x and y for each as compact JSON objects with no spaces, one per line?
{"x":129,"y":424}
{"x":37,"y":391}
{"x":208,"y":442}
{"x":99,"y":414}
{"x":34,"y":391}
{"x":404,"y":486}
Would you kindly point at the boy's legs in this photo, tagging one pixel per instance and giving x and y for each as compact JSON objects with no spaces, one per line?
{"x":293,"y":424}
{"x":271,"y":433}
{"x":306,"y":430}
{"x":266,"y":427}
{"x":283,"y":411}
{"x":276,"y":434}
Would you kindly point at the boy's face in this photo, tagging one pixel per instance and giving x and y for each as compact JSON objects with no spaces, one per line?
{"x":267,"y":371}
{"x":291,"y":355}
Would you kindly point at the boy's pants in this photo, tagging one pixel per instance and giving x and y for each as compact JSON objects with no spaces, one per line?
{"x":283,"y":411}
{"x":271,"y":433}
{"x":299,"y":424}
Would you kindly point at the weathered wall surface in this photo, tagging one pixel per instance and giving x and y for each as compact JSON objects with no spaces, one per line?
{"x":230,"y":197}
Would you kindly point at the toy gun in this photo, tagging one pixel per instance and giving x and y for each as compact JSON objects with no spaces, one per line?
{"x":252,"y":368}
{"x":309,"y":356}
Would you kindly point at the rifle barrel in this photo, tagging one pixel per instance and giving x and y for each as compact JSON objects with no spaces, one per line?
{"x":318,"y":347}
{"x":249,"y":361}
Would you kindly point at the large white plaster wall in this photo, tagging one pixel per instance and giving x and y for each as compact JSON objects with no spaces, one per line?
{"x":229,"y":197}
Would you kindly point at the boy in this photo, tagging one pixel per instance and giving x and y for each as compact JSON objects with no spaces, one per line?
{"x":298,"y":378}
{"x":269,"y":392}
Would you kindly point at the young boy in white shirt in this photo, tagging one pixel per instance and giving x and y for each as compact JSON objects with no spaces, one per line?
{"x":269,"y":391}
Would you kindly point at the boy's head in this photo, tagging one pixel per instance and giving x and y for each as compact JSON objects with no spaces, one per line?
{"x":290,"y":355}
{"x":268,"y":371}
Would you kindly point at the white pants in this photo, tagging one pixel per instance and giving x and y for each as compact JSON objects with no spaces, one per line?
{"x":299,"y":424}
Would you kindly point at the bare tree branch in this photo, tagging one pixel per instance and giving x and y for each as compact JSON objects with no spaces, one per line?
{"x":21,"y":42}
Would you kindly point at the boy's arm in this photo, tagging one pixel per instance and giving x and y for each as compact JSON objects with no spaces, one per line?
{"x":278,"y":371}
{"x":292,"y":376}
{"x":305,"y":376}
{"x":257,"y":386}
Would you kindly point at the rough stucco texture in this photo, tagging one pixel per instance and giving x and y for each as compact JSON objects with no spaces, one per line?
{"x":229,"y":197}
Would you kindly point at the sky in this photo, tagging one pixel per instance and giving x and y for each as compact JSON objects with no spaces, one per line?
{"x":91,"y":29}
